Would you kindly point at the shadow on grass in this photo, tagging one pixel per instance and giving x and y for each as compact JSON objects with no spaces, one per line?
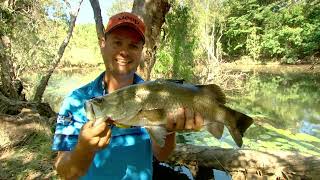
{"x":32,"y":159}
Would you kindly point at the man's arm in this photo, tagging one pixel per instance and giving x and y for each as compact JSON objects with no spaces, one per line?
{"x":75,"y":163}
{"x":182,"y":119}
{"x":163,"y":153}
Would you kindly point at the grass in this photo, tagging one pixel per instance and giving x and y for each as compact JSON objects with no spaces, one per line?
{"x":32,"y":157}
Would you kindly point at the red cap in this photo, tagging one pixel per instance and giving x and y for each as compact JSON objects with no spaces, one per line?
{"x":126,"y":19}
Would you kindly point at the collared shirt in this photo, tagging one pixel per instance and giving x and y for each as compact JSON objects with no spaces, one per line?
{"x":129,"y":153}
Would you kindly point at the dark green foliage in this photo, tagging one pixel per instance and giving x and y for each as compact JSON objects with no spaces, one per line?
{"x":284,"y":29}
{"x":6,"y":16}
{"x":176,"y":53}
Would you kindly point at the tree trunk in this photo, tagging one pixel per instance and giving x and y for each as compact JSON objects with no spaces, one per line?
{"x":45,"y":79}
{"x":14,"y":107}
{"x":98,"y":19}
{"x":153,"y":14}
{"x":7,"y":74}
{"x":249,"y":164}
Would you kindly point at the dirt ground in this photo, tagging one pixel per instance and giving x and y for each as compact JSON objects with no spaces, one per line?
{"x":25,"y":146}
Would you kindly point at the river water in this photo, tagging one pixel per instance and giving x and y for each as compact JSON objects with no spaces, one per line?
{"x":285,"y":106}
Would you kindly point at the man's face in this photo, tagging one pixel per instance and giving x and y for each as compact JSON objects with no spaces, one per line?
{"x":122,"y":51}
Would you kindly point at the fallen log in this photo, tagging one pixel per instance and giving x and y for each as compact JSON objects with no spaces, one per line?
{"x":248,"y":164}
{"x":16,"y":130}
{"x":14,"y":107}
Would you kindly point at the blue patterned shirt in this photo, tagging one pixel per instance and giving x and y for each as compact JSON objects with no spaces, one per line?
{"x":129,"y":154}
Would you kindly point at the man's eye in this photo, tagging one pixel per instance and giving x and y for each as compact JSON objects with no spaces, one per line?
{"x":134,"y":46}
{"x":118,"y":43}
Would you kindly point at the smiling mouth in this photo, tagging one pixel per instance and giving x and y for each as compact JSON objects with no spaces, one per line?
{"x":122,"y":62}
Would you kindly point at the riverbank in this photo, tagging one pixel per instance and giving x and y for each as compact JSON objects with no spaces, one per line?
{"x":272,"y":68}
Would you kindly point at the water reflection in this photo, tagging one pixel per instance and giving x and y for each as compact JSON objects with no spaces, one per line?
{"x":310,"y":128}
{"x":64,"y":82}
{"x":285,"y":101}
{"x":285,"y":106}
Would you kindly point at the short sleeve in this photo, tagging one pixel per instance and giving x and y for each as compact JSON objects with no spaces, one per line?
{"x":71,"y":118}
{"x":64,"y":142}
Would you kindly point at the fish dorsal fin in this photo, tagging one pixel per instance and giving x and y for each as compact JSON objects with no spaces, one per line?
{"x":214,"y":91}
{"x":158,"y":134}
{"x":178,"y":81}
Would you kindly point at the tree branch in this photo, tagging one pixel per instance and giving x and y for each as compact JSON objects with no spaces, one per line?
{"x":45,"y":79}
{"x":98,"y":19}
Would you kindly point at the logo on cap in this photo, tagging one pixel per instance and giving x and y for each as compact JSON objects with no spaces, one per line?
{"x":126,"y":18}
{"x":135,"y":21}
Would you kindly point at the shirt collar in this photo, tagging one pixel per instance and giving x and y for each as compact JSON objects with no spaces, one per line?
{"x":101,"y":84}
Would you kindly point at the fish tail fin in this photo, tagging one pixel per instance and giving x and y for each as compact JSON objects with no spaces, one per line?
{"x":237,"y":124}
{"x":210,"y":101}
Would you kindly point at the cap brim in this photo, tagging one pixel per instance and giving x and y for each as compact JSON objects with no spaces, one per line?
{"x":128,"y":25}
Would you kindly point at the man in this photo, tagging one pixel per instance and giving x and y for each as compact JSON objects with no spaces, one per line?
{"x":106,"y":151}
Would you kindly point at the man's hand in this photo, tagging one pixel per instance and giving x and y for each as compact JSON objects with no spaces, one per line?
{"x":184,"y":119}
{"x":181,"y":119}
{"x":93,"y":138}
{"x":73,"y":164}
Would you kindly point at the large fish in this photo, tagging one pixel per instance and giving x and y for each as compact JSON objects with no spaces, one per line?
{"x":147,"y":105}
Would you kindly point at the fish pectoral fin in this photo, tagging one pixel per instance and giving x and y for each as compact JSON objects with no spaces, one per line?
{"x":216,"y":129}
{"x":158,"y":134}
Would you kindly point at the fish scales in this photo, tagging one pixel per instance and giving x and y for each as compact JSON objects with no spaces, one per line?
{"x":148,"y":104}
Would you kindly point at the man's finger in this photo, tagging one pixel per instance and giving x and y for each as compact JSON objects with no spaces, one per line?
{"x":190,"y":121}
{"x":96,"y":130}
{"x":180,"y":119}
{"x":104,"y":138}
{"x":198,"y":121}
{"x":88,"y":124}
{"x":109,"y":121}
{"x":93,"y":141}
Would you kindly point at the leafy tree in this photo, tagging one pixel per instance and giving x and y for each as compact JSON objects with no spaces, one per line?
{"x":153,"y":14}
{"x":20,"y":49}
{"x":176,"y":53}
{"x":32,"y":45}
{"x":21,"y":40}
{"x":211,"y":18}
{"x":82,"y":49}
{"x":120,"y":6}
{"x":28,"y":45}
{"x":278,"y":29}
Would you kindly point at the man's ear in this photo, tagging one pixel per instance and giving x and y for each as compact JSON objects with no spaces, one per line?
{"x":102,"y":42}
